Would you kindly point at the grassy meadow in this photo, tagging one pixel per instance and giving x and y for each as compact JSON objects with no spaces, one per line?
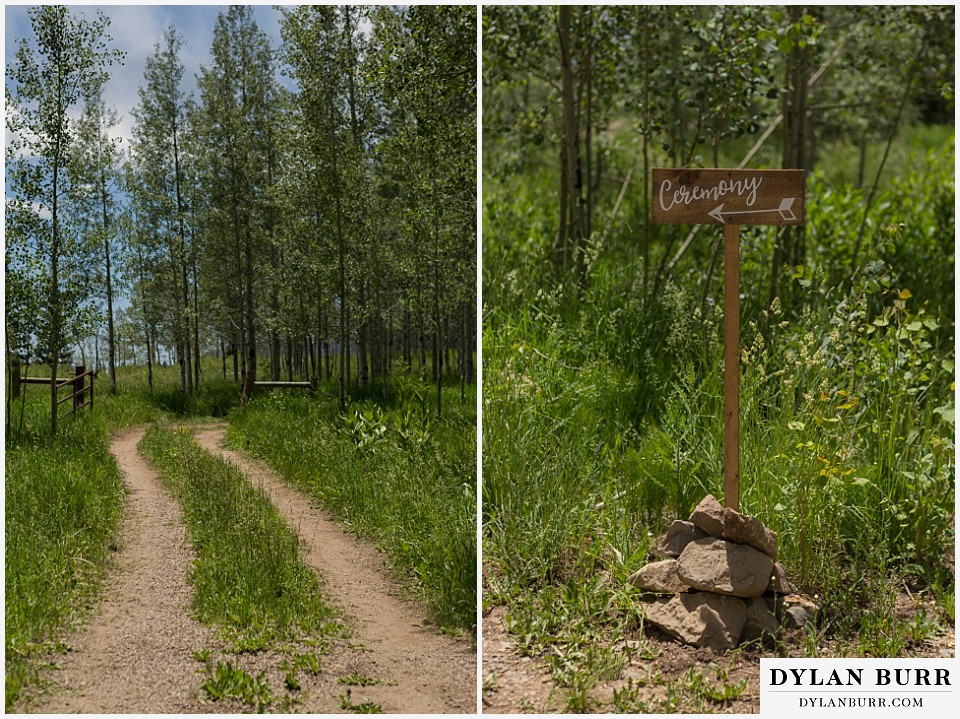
{"x":603,"y":413}
{"x":409,"y":486}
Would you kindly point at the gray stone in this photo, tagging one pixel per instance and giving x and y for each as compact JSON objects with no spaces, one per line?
{"x":715,"y":565}
{"x":779,"y":584}
{"x":678,"y":536}
{"x":702,"y":619}
{"x":660,"y":577}
{"x":794,"y":611}
{"x":708,"y":515}
{"x":760,"y":623}
{"x":744,"y":529}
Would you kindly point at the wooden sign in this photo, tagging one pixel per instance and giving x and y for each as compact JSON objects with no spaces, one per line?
{"x":728,"y":197}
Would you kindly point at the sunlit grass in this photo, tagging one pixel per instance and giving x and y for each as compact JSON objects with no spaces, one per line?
{"x":248,"y":576}
{"x":388,"y":470}
{"x":603,"y":413}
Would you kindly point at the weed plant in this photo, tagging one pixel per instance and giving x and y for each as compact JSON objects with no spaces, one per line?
{"x":248,"y":576}
{"x":388,"y":470}
{"x":224,"y":681}
{"x":603,"y":413}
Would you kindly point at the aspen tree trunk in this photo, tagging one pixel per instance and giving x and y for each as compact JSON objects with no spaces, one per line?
{"x":275,"y":313}
{"x":149,"y":363}
{"x":471,"y":340}
{"x":183,"y":317}
{"x":587,"y":139}
{"x":196,"y":326}
{"x":177,"y":314}
{"x":55,"y":290}
{"x":438,"y":356}
{"x":646,"y":143}
{"x":251,"y":375}
{"x":789,"y":247}
{"x":561,"y":245}
{"x":446,"y":346}
{"x":363,"y":345}
{"x":341,"y":266}
{"x":407,"y":358}
{"x":146,"y":324}
{"x":289,"y":359}
{"x":111,"y":341}
{"x":464,"y":350}
{"x":571,"y":135}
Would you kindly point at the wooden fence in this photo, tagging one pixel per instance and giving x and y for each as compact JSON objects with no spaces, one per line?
{"x":78,"y":382}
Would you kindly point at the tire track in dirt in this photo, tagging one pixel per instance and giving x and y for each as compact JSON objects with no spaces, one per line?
{"x":135,"y":654}
{"x":430,"y":672}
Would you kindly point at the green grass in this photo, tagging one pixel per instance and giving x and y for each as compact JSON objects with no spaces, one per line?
{"x":64,"y":500}
{"x":603,"y":414}
{"x":63,"y":505}
{"x":389,"y":470}
{"x":248,"y":576}
{"x":367,"y":707}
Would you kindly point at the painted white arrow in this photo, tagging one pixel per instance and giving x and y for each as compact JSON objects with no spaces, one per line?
{"x":785,"y":210}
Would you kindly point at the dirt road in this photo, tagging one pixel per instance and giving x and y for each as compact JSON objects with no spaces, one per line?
{"x":135,"y":654}
{"x":138,"y":653}
{"x":432,"y":672}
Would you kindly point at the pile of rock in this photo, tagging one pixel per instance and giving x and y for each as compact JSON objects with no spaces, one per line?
{"x":723,"y":581}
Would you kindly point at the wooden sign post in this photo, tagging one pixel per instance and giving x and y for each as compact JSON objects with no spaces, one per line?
{"x":730,"y":198}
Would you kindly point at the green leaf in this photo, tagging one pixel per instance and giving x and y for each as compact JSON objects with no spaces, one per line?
{"x":946,"y":413}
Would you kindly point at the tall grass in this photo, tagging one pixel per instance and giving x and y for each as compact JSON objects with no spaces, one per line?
{"x":64,"y":499}
{"x":248,"y":576}
{"x":388,"y":470}
{"x":603,"y":412}
{"x":63,"y":502}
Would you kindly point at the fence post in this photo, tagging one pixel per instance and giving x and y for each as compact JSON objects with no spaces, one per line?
{"x":78,"y":393}
{"x":92,"y":378}
{"x":15,"y":377}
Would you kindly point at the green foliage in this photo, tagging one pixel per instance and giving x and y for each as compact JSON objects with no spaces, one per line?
{"x":360,"y":680}
{"x":346,"y":702}
{"x":63,"y":500}
{"x":603,"y":415}
{"x":417,"y":502}
{"x":224,"y":681}
{"x":248,"y":576}
{"x":47,"y":255}
{"x":364,"y":426}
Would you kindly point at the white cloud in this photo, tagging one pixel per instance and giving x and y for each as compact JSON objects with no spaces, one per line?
{"x":136,"y":29}
{"x":34,"y":207}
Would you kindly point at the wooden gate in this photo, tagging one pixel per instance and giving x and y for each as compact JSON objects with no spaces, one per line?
{"x":78,"y":382}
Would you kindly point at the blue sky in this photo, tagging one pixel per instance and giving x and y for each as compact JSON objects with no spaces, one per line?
{"x":136,"y":29}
